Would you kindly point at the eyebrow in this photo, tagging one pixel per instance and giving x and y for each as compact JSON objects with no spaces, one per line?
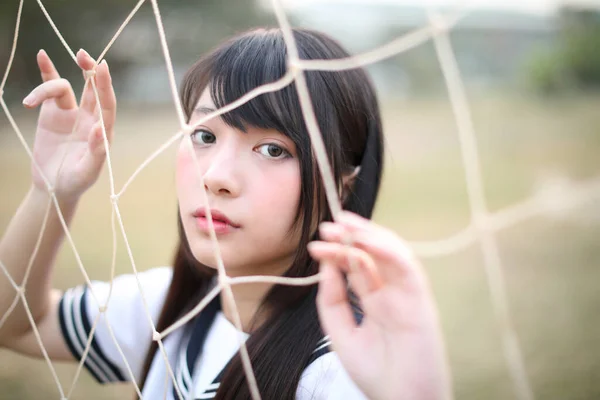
{"x":204,"y":110}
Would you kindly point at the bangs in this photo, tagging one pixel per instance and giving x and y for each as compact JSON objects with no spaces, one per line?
{"x":249,"y":62}
{"x":343,"y":103}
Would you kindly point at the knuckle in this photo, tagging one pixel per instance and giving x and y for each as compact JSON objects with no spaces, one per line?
{"x":64,"y":85}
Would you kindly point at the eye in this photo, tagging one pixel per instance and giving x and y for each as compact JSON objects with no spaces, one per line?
{"x":203,"y":137}
{"x":272,"y":150}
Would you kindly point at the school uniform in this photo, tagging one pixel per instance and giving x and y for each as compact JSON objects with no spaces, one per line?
{"x":197,"y":352}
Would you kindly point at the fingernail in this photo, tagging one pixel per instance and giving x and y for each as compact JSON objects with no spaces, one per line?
{"x":326,"y":227}
{"x":349,"y":216}
{"x":331,"y":228}
{"x":82,"y":51}
{"x":312,"y":246}
{"x":29,"y":100}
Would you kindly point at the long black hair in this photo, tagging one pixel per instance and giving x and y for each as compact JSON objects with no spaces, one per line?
{"x":348,"y":115}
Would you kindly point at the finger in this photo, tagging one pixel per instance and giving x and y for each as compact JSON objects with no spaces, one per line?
{"x":333,"y":307}
{"x":85,"y":61}
{"x":95,"y":155}
{"x":355,"y":222}
{"x":362,"y":271}
{"x":88,"y":98}
{"x":106,"y":94}
{"x":58,"y":89}
{"x":397,"y":263}
{"x":379,"y":242}
{"x":357,"y":225}
{"x":96,"y":142}
{"x":47,"y":69}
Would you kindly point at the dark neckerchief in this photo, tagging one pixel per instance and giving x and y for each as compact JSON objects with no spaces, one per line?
{"x":187,"y":360}
{"x":202,"y":323}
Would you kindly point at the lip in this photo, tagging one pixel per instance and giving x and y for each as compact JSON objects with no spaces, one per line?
{"x":221,"y":223}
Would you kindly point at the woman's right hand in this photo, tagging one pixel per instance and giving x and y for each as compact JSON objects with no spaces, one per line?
{"x":397,"y":351}
{"x":71,"y":164}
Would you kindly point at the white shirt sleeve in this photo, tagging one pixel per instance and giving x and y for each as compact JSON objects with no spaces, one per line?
{"x":326,"y":379}
{"x":126,"y":316}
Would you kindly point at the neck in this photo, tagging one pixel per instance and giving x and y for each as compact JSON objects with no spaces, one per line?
{"x":248,"y":297}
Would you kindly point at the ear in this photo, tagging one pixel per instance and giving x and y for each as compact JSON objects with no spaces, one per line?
{"x":348,"y":182}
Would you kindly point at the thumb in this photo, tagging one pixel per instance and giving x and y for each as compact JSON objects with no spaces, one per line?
{"x":96,"y":153}
{"x":96,"y":142}
{"x":333,"y":307}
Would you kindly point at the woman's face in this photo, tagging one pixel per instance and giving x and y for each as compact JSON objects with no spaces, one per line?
{"x":252,"y":181}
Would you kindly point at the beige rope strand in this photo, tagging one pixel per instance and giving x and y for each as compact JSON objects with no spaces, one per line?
{"x":391,"y":49}
{"x":161,"y":346}
{"x":81,"y":362}
{"x":29,"y":265}
{"x":11,"y":308}
{"x":280,"y":280}
{"x":148,"y":160}
{"x":452,"y":244}
{"x":267,"y":88}
{"x":492,"y":262}
{"x":10,"y":279}
{"x":308,"y":113}
{"x":481,"y":227}
{"x":118,"y":32}
{"x":155,"y":334}
{"x":60,"y":37}
{"x":51,"y":192}
{"x":111,"y":177}
{"x":12,"y":122}
{"x":115,"y":210}
{"x":13,"y":48}
{"x":214,"y":292}
{"x":37,"y":243}
{"x":571,"y":196}
{"x":223,"y":278}
{"x":169,"y":64}
{"x":113,"y":263}
{"x":38,"y":339}
{"x":127,"y":366}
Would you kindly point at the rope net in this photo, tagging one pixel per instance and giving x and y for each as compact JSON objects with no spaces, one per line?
{"x":481,"y":231}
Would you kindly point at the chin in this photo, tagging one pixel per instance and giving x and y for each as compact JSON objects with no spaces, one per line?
{"x":205,"y":255}
{"x":205,"y":258}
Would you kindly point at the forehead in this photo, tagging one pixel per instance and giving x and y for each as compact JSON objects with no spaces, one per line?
{"x":204,"y":105}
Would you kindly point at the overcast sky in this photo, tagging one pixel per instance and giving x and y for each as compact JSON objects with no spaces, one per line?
{"x":534,"y":6}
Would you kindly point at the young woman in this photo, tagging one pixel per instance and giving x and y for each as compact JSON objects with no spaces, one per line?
{"x":270,"y":215}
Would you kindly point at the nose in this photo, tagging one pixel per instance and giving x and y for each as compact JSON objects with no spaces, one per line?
{"x":221,"y":177}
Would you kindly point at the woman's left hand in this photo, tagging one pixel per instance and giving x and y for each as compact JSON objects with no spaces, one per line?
{"x":397,"y":351}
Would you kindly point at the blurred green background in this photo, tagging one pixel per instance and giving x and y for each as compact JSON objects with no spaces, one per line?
{"x":532,"y":84}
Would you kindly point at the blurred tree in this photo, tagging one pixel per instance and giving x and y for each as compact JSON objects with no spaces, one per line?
{"x":191,"y":27}
{"x":581,"y":45}
{"x":575,"y":62}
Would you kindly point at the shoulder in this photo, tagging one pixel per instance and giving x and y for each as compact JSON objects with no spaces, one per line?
{"x":129,"y":286}
{"x":326,"y":379}
{"x":144,"y":289}
{"x":117,"y":313}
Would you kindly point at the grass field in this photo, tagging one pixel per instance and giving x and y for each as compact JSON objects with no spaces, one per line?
{"x":551,"y":264}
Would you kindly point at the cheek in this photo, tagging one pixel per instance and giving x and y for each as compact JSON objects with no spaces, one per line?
{"x":281,"y":195}
{"x":183,"y":164}
{"x":186,"y":175}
